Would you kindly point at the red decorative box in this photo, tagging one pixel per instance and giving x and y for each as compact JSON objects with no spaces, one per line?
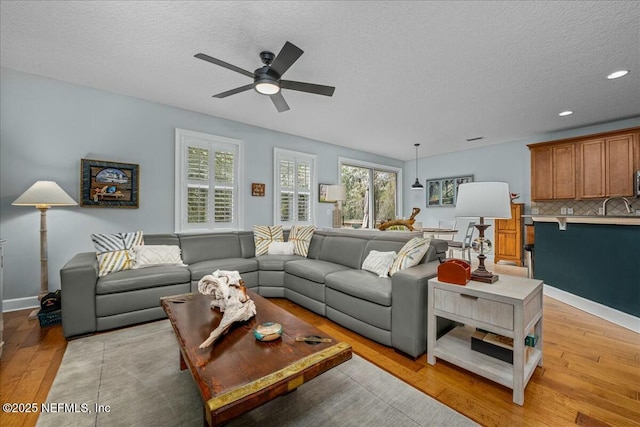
{"x":456,"y":271}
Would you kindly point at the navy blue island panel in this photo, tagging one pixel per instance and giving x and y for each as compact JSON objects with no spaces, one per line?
{"x":599,"y":262}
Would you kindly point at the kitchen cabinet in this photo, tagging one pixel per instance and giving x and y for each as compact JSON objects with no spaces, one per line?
{"x":587,"y":167}
{"x":606,"y":167}
{"x":508,"y":236}
{"x":553,"y":172}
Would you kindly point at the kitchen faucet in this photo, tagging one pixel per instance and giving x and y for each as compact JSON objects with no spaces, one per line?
{"x":627,"y":205}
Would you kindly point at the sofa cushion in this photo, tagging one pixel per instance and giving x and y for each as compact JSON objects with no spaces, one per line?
{"x":152,"y":277}
{"x":361,"y":284}
{"x":242,"y":265}
{"x":275,"y":262}
{"x":346,"y":251}
{"x":311,"y":269}
{"x":204,"y":247}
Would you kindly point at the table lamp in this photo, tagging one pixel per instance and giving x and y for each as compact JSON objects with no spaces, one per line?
{"x":338,"y":194}
{"x":43,"y":195}
{"x":482,"y":200}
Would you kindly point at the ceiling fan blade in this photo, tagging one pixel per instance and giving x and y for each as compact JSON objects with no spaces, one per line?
{"x":234,"y":91}
{"x":285,"y":59}
{"x":308,"y":87}
{"x":279,"y":102}
{"x":224,"y":64}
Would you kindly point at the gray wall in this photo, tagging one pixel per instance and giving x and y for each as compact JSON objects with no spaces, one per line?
{"x":508,"y":162}
{"x":47,"y":126}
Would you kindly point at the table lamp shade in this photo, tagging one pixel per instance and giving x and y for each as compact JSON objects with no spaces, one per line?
{"x":336,"y":193}
{"x":483,"y":199}
{"x":44,"y":193}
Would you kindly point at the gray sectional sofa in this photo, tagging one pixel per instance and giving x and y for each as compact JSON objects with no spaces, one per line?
{"x":329,"y":281}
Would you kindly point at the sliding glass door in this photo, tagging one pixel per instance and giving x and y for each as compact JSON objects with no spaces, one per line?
{"x":371,"y":194}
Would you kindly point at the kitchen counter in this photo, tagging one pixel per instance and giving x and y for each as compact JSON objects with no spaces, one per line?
{"x":563,"y":220}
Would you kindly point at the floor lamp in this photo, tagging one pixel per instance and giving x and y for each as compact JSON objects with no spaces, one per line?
{"x":482,"y":200}
{"x":43,"y":195}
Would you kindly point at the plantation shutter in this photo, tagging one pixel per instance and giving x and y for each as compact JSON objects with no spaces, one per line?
{"x":209,"y":191}
{"x":294,"y":187}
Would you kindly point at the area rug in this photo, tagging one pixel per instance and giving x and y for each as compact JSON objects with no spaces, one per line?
{"x":131,"y":377}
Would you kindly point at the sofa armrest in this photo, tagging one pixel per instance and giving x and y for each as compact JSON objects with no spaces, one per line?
{"x":409,"y":308}
{"x":78,"y":279}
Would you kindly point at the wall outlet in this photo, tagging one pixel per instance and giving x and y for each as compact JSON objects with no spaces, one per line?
{"x":600,"y":211}
{"x":570,"y":211}
{"x":563,"y":211}
{"x":328,"y":211}
{"x":535,"y":211}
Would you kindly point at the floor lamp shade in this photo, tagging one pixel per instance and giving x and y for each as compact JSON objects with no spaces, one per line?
{"x":483,"y":200}
{"x":337,"y":193}
{"x":43,"y":195}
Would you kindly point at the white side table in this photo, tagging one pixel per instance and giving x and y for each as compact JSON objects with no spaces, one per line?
{"x":512,"y":306}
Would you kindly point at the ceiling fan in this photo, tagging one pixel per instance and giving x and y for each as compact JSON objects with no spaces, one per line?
{"x":267,"y":80}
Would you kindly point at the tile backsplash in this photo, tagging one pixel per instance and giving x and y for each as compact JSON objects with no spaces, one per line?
{"x":585,"y":207}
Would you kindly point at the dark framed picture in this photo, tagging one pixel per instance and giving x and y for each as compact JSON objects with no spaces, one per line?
{"x":109,"y":184}
{"x":443,"y":192}
{"x":322,"y":193}
{"x":257,"y":189}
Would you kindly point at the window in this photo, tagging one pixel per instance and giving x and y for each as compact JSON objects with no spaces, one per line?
{"x":295,"y":184}
{"x":207,"y":182}
{"x":372,"y":193}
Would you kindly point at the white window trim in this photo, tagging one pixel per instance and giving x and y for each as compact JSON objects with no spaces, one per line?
{"x":362,"y":163}
{"x":281,"y":152}
{"x":180,"y":192}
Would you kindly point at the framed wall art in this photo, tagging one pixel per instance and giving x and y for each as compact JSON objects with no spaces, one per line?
{"x":109,"y":184}
{"x":444,"y":191}
{"x":322,"y":193}
{"x":257,"y":189}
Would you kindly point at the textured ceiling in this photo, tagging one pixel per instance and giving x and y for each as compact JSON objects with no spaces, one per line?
{"x":435,"y":73}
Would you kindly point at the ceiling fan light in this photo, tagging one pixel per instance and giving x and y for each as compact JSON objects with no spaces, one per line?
{"x":267,"y":87}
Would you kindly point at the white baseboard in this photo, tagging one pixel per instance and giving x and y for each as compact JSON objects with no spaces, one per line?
{"x":20,"y":304}
{"x":607,"y":313}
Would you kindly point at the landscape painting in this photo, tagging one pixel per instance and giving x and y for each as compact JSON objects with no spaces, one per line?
{"x":109,"y":184}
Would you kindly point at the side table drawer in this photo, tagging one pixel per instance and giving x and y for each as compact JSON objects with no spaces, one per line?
{"x":476,"y":308}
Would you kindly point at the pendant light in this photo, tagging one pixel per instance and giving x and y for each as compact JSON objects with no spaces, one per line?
{"x":416,"y":185}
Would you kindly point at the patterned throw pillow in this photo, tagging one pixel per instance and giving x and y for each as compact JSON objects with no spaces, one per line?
{"x":281,"y":248}
{"x":156,"y":255}
{"x":411,"y":254}
{"x":379,"y":262}
{"x":114,"y":251}
{"x":301,"y":236}
{"x":263,"y":235}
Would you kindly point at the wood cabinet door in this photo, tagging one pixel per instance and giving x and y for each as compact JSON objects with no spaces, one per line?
{"x":508,"y":236}
{"x":591,"y":169}
{"x":619,"y":158}
{"x":542,"y":173}
{"x":564,"y":171}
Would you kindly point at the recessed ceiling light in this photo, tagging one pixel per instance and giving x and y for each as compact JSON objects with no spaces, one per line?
{"x":618,"y":74}
{"x":565,"y":113}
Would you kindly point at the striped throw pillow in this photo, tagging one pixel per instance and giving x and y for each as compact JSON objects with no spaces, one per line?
{"x":301,"y":236}
{"x":411,"y":254}
{"x":379,"y":262}
{"x":114,"y":251}
{"x":263,"y":235}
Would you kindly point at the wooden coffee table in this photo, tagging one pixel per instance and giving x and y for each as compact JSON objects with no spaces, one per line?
{"x":239,"y":373}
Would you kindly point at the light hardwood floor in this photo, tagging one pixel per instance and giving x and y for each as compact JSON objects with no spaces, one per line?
{"x":590,"y":377}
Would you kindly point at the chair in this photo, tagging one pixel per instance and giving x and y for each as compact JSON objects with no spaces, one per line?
{"x":465,"y":245}
{"x":446,"y":225}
